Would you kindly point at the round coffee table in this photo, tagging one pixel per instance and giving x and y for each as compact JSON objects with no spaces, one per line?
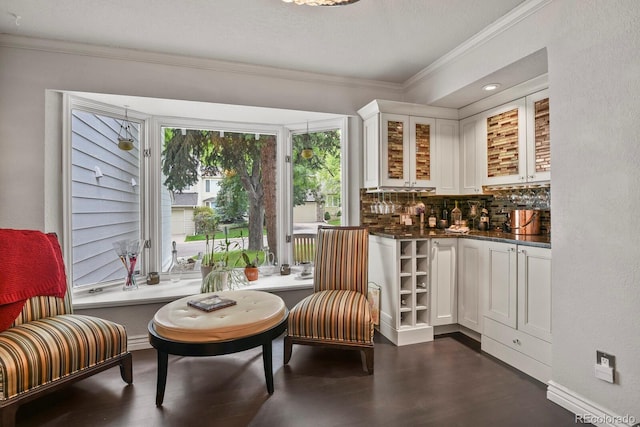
{"x":256,"y":319}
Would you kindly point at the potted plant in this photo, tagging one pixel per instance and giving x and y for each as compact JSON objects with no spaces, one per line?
{"x":250,"y":268}
{"x":207,"y":260}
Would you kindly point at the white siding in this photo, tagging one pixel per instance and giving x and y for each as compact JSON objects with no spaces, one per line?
{"x":104,"y":209}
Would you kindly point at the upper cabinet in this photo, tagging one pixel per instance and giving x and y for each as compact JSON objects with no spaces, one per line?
{"x":471,"y":162}
{"x":406,"y":151}
{"x":538,"y":137}
{"x":420,"y":147}
{"x":517,"y":141}
{"x":401,"y":146}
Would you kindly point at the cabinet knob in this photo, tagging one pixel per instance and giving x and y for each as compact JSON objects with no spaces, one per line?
{"x":516,"y":341}
{"x":436,"y":243}
{"x":522,"y":178}
{"x":512,"y":250}
{"x":522,"y":251}
{"x":531,"y":176}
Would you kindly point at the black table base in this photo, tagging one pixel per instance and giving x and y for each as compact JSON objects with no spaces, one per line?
{"x":166,"y":346}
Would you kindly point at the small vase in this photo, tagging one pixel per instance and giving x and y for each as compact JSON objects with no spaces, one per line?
{"x":130,"y":282}
{"x":215,"y":281}
{"x":205,"y":270}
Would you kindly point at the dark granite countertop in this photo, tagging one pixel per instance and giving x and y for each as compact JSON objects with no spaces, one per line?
{"x":541,"y":241}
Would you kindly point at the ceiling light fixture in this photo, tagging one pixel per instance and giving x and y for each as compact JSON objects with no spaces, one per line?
{"x":322,"y":2}
{"x":491,"y":86}
{"x":125,"y":137}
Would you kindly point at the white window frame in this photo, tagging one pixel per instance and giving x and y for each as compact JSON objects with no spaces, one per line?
{"x":151,"y":138}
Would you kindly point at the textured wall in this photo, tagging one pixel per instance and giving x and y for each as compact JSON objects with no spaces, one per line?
{"x":594,"y":82}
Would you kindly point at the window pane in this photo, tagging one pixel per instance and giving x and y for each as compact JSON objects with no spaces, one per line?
{"x":317,"y":185}
{"x":105,"y":196}
{"x":234,"y":175}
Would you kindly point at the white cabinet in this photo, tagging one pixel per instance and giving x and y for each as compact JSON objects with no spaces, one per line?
{"x":398,"y":151}
{"x":400,"y":142}
{"x":534,"y":292}
{"x":443,"y":281}
{"x":401,"y":269}
{"x":501,"y":277}
{"x":472,"y":140}
{"x":406,"y":151}
{"x":517,"y":323}
{"x":538,"y":137}
{"x":505,"y":150}
{"x":471,"y":265}
{"x":517,"y":148}
{"x":447,"y":157}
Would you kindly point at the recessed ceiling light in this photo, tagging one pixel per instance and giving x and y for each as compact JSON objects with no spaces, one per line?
{"x":491,"y":86}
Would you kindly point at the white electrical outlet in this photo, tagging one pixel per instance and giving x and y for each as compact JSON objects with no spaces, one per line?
{"x":604,"y":373}
{"x":605,"y":366}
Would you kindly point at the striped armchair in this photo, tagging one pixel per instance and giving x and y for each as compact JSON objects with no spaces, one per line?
{"x":47,"y":347}
{"x":337,"y":314}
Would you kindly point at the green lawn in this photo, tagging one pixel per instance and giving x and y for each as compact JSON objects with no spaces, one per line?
{"x":233,"y":232}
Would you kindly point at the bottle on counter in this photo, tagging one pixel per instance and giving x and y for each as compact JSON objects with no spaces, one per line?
{"x":174,"y":270}
{"x":444,"y":220}
{"x":484,"y":220}
{"x":432,"y":221}
{"x":456,"y":215}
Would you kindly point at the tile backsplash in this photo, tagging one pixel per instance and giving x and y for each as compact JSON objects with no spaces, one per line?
{"x":498,"y":205}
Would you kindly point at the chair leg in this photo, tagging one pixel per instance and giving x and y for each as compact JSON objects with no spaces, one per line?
{"x":126,"y":368}
{"x":288,"y":346}
{"x":367,"y":356}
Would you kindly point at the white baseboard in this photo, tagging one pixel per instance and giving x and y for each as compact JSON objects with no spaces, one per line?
{"x":138,"y":342}
{"x":585,"y":410}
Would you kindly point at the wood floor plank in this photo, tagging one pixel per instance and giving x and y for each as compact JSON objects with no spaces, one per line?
{"x":447,"y":382}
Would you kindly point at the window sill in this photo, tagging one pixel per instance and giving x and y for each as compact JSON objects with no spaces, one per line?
{"x":166,"y":291}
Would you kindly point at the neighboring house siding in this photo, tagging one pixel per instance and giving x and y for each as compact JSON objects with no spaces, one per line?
{"x":104,"y":209}
{"x":182,"y":221}
{"x":305,"y":213}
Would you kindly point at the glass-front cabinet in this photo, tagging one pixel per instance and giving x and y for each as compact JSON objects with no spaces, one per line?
{"x":406,"y":149}
{"x":518,"y":144}
{"x":401,"y":143}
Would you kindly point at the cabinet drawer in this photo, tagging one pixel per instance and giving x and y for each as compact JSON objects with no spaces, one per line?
{"x":519,"y":341}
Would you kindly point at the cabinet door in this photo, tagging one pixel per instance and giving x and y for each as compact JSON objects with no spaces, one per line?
{"x":447,"y":157}
{"x":384,"y":270}
{"x":470,"y":148}
{"x":395,"y":154}
{"x":501,"y":283}
{"x":506,"y":161}
{"x":371,"y":152}
{"x":421,"y":158}
{"x":534,"y":292}
{"x":471,"y":257}
{"x":538,"y":137}
{"x":443,"y":281}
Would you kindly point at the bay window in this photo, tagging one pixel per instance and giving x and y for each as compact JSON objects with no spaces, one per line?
{"x":189,"y":178}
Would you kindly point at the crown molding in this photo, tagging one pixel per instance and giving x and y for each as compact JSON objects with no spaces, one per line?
{"x":83,"y":49}
{"x":502,"y":24}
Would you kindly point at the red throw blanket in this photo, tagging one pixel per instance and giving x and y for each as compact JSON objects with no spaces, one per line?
{"x":32,"y":265}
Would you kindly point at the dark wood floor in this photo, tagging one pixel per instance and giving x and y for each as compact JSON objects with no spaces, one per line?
{"x":441,"y":383}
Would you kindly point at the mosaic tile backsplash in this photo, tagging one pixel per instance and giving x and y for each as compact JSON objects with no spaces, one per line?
{"x":498,"y":205}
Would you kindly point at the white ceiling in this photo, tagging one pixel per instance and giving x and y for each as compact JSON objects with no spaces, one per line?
{"x":385,"y":40}
{"x":381,"y":40}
